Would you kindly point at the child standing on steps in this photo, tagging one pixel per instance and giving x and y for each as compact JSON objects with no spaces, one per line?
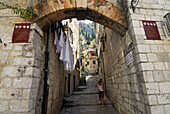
{"x":100,"y":88}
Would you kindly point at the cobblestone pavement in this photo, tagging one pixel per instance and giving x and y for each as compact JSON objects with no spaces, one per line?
{"x":86,"y":101}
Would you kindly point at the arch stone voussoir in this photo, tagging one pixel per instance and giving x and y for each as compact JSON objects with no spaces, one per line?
{"x":100,"y":11}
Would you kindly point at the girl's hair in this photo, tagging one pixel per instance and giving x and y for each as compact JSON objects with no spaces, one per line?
{"x":100,"y":82}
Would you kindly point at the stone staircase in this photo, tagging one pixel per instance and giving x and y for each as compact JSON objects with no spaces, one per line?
{"x":88,"y":97}
{"x":86,"y":100}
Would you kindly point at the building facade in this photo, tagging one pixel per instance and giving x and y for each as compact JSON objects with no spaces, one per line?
{"x":72,"y":78}
{"x":90,"y":62}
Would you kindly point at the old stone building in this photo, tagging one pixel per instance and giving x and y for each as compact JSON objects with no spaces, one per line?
{"x":134,"y":85}
{"x":72,"y":78}
{"x":90,"y":62}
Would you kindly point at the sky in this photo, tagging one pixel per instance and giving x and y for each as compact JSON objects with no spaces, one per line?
{"x":86,"y":21}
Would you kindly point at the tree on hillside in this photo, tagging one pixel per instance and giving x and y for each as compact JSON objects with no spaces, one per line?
{"x":88,"y":43}
{"x":82,"y":55}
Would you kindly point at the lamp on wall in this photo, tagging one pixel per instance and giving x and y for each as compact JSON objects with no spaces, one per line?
{"x":134,"y":3}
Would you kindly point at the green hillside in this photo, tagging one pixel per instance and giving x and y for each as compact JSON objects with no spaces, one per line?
{"x":88,"y":34}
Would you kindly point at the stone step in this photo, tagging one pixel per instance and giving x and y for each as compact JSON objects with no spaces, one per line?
{"x":78,"y":93}
{"x":89,"y":104}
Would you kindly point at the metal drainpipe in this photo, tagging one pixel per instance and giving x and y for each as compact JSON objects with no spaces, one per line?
{"x":103,"y":71}
{"x":46,"y":70}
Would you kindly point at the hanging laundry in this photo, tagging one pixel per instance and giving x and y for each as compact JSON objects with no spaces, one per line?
{"x":66,"y":55}
{"x":56,"y":42}
{"x":63,"y":47}
{"x":69,"y":55}
{"x":65,"y":66}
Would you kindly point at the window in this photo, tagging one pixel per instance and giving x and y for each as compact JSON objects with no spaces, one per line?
{"x":94,"y":62}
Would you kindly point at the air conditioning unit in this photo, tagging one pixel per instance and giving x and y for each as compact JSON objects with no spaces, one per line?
{"x":166,"y":25}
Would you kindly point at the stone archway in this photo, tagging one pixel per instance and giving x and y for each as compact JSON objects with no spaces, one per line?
{"x":101,"y":11}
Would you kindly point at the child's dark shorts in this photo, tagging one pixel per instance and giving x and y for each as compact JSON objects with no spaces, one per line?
{"x":101,"y":94}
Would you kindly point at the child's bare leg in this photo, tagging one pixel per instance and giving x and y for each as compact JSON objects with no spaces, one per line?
{"x":102,"y":101}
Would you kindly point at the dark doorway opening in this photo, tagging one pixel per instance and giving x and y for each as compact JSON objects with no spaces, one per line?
{"x":74,"y":82}
{"x":69,"y":77}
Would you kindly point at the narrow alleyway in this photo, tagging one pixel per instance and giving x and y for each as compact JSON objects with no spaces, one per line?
{"x":85,"y":100}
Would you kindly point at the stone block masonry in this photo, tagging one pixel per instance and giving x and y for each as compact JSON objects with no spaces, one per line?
{"x":125,"y":89}
{"x":13,"y":81}
{"x":154,"y":54}
{"x":144,"y":84}
{"x":21,"y":76}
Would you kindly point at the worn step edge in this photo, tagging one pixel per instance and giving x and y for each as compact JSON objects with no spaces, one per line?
{"x":75,"y":105}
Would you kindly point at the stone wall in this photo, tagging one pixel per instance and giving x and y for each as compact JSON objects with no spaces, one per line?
{"x":37,"y":74}
{"x":152,"y":56}
{"x":57,"y":82}
{"x":124,"y":87}
{"x":56,"y":79}
{"x":20,"y":72}
{"x":143,"y":86}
